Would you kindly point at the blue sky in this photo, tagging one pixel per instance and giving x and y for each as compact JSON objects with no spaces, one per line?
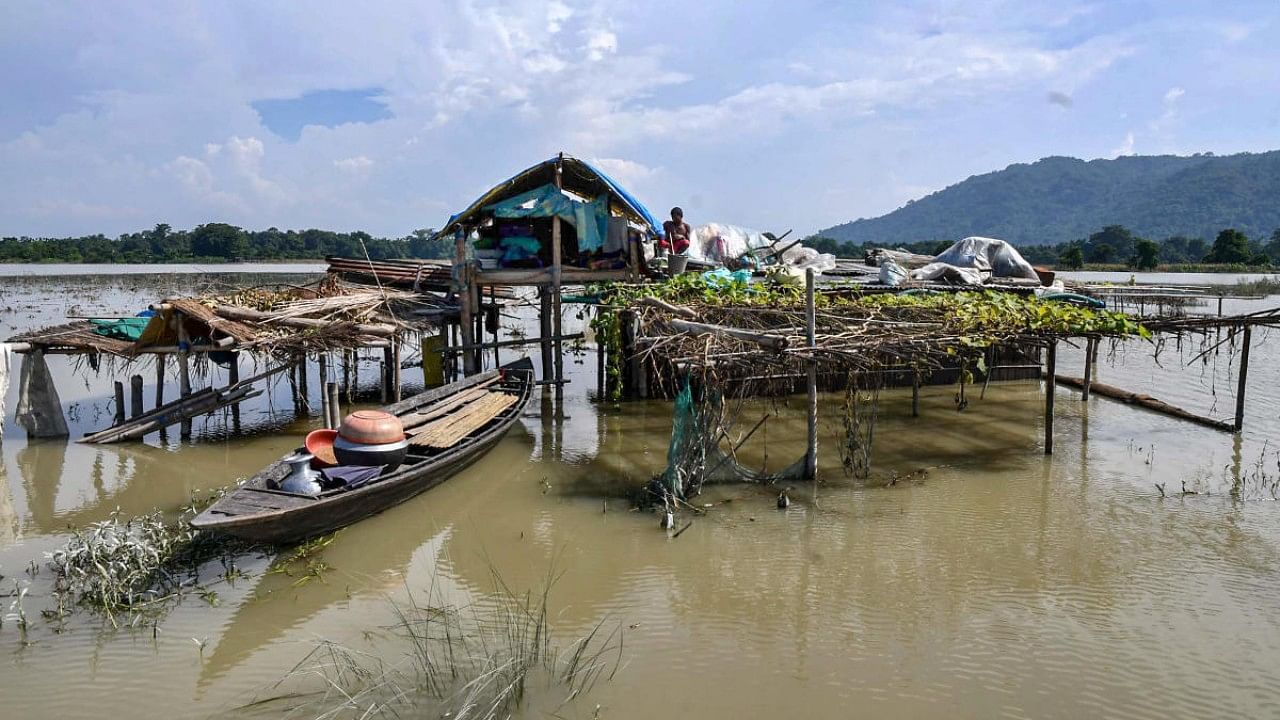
{"x":387,"y":116}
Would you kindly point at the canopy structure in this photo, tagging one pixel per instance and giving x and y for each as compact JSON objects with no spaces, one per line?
{"x":577,"y":176}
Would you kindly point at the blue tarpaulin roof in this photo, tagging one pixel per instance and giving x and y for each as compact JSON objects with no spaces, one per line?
{"x":578,"y":176}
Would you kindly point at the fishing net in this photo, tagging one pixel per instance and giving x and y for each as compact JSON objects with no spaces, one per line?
{"x":695,"y":458}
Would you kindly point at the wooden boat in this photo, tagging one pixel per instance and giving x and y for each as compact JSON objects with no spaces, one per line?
{"x":448,"y":428}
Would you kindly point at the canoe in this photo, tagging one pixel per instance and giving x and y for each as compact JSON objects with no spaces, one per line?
{"x":449,"y":428}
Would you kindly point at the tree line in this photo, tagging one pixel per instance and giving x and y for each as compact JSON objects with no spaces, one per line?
{"x":218,"y":242}
{"x":1112,"y":245}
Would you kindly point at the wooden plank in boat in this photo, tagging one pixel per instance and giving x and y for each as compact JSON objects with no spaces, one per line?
{"x":447,"y":431}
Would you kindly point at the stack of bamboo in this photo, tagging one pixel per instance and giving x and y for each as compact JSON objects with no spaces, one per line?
{"x":413,"y":274}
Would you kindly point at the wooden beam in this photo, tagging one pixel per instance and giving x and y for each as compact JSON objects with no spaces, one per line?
{"x":1146,"y":402}
{"x":135,"y":396}
{"x":232,"y":312}
{"x":1088,"y":369}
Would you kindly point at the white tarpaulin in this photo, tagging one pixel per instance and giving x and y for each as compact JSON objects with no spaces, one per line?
{"x":973,"y":259}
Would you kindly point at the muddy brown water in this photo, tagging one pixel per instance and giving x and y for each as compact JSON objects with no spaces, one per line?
{"x":995,"y":583}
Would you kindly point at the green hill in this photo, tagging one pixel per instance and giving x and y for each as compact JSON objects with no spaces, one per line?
{"x":1058,"y":199}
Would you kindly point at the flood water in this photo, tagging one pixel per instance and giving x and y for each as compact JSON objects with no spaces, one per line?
{"x":989,"y":581}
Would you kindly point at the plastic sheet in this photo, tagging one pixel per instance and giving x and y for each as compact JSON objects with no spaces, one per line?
{"x":892,"y":274}
{"x":986,"y":255}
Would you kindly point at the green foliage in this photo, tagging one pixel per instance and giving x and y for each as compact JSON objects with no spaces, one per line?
{"x":1072,"y":257}
{"x":985,"y":317}
{"x":1146,"y":255}
{"x":1059,"y":199}
{"x":1231,"y":246}
{"x":218,"y":242}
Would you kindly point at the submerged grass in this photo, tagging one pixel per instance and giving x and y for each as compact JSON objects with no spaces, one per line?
{"x":132,"y":567}
{"x":479,"y":661}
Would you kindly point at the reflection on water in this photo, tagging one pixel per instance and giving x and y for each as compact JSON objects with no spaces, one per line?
{"x":988,"y":580}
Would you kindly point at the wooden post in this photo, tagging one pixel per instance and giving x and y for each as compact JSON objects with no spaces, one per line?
{"x":335,"y":405}
{"x":557,"y":264}
{"x":810,"y":332}
{"x":160,"y":362}
{"x":1051,"y":384}
{"x":119,"y":402}
{"x":395,"y":369}
{"x":1088,"y":369}
{"x":544,"y":327}
{"x":465,"y":298}
{"x":1244,"y":376}
{"x":602,"y":392}
{"x":135,"y":396}
{"x":496,"y":316}
{"x":184,"y":370}
{"x":346,"y":373}
{"x":386,"y":375}
{"x":323,"y":361}
{"x":304,"y":392}
{"x":915,"y":393}
{"x":382,"y":380}
{"x":233,"y":378}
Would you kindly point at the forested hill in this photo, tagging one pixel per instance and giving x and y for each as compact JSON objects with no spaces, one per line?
{"x":1058,"y":199}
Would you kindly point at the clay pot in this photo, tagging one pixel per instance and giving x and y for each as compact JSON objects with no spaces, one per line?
{"x":385,"y":454}
{"x":320,"y":444}
{"x":371,"y":427}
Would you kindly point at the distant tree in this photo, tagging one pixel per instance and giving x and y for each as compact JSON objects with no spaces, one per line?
{"x":1231,"y":246}
{"x":1119,"y":241}
{"x":1101,"y":253}
{"x":1072,"y":257}
{"x":1146,"y":255}
{"x":219,"y":240}
{"x":1272,"y":248}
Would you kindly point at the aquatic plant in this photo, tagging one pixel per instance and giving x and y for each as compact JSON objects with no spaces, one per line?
{"x":478,"y":661}
{"x":132,"y":565}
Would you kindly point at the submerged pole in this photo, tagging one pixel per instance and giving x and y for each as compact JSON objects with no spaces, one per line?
{"x":335,"y":406}
{"x":395,"y":369}
{"x":1244,"y":377}
{"x":119,"y":387}
{"x":160,"y":362}
{"x":323,"y":362}
{"x":304,"y":392}
{"x":557,"y":263}
{"x":466,"y":296}
{"x":811,"y":334}
{"x":135,"y":396}
{"x":544,"y":328}
{"x":233,"y":378}
{"x":1088,"y":369}
{"x":1051,"y":384}
{"x":915,"y":394}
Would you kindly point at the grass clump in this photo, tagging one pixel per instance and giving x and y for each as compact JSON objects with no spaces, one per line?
{"x":484,"y":660}
{"x":132,"y":566}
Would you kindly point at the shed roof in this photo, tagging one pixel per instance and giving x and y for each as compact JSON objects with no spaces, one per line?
{"x":578,"y":176}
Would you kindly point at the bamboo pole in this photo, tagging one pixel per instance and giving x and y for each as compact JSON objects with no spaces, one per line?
{"x":915,"y":394}
{"x":323,"y":363}
{"x":1088,"y":369}
{"x":184,"y":370}
{"x":395,"y":370}
{"x":810,"y":333}
{"x":1051,"y":384}
{"x":557,"y":266}
{"x":232,"y":312}
{"x":335,"y":406}
{"x":233,"y":378}
{"x":464,"y":295}
{"x":304,"y":391}
{"x":496,"y":318}
{"x":544,"y":330}
{"x":1146,"y":402}
{"x":1244,"y":377}
{"x":346,"y":373}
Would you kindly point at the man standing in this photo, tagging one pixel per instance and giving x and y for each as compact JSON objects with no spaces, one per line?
{"x":677,"y":233}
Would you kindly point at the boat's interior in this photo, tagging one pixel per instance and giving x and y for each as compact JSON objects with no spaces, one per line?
{"x":447,"y":423}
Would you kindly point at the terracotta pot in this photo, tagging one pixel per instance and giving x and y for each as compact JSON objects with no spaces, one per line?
{"x":371,"y":427}
{"x":320,"y":444}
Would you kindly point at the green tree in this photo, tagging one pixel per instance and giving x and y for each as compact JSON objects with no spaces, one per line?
{"x":219,"y":240}
{"x":1072,"y":257}
{"x":1231,"y":246}
{"x":1146,"y":254}
{"x":1109,"y":243}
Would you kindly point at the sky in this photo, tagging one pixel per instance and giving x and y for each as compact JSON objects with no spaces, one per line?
{"x":389,"y":116}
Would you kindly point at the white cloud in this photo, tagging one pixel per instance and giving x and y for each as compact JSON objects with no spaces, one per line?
{"x":600,"y":44}
{"x":1126,"y":147}
{"x":1173,"y":95}
{"x":356,"y":164}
